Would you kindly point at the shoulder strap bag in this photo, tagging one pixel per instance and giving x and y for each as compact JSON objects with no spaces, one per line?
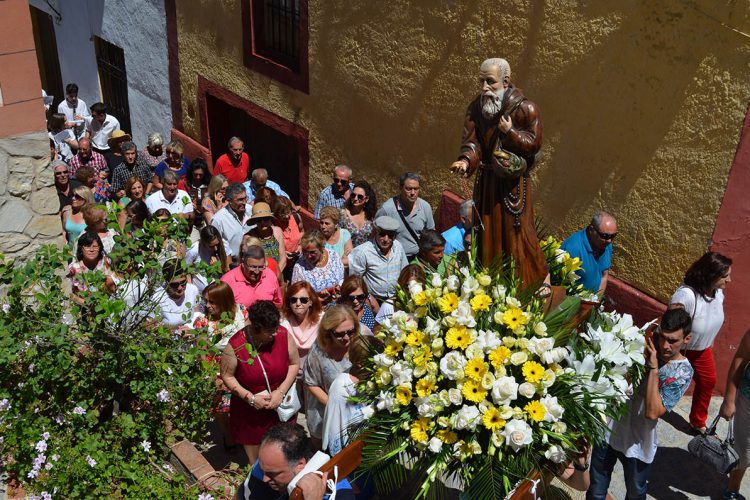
{"x":403,"y":219}
{"x":290,"y":404}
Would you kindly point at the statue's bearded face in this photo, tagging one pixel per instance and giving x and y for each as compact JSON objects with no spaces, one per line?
{"x":493,"y":90}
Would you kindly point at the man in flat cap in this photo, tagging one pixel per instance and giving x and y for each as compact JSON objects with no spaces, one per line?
{"x":380,"y":260}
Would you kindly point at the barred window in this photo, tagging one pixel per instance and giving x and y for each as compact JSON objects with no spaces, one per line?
{"x":278,"y":37}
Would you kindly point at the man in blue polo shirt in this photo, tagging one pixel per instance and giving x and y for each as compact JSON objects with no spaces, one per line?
{"x":454,"y":237}
{"x":593,"y":245}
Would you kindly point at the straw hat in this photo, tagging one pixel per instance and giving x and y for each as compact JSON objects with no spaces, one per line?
{"x":118,"y":137}
{"x":261,"y":210}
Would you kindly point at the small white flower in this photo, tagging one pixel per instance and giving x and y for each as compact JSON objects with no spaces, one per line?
{"x":504,"y":390}
{"x":169,"y":371}
{"x":435,"y":445}
{"x":517,"y":434}
{"x":90,"y":461}
{"x":205,"y":496}
{"x":41,"y":446}
{"x":6,"y":308}
{"x":519,"y":358}
{"x":45,"y":435}
{"x":31,"y":368}
{"x":162,"y":396}
{"x":527,"y":390}
{"x":452,"y":282}
{"x":5,"y":404}
{"x":554,"y":411}
{"x":55,"y":458}
{"x":556,"y":454}
{"x":146,"y":445}
{"x":79,"y":410}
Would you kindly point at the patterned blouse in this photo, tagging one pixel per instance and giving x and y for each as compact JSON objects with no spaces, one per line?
{"x":359,"y":235}
{"x":320,"y":278}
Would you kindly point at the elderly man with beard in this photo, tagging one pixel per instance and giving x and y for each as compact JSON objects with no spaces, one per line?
{"x":502,"y":134}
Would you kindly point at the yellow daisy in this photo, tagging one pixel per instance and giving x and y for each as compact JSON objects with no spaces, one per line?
{"x":422,"y":356}
{"x":448,"y":303}
{"x":532,"y":371}
{"x":536,"y":410}
{"x":392,"y":348}
{"x":446,"y":436}
{"x":420,"y":299}
{"x":481,"y":302}
{"x":415,"y":338}
{"x":457,"y":338}
{"x":491,"y":419}
{"x":513,"y":318}
{"x":425,"y":387}
{"x":499,"y":355}
{"x":418,"y":430}
{"x":403,"y":395}
{"x":475,"y":368}
{"x":473,"y":391}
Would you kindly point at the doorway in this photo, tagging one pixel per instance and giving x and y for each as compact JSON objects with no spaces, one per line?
{"x":271,"y":142}
{"x":110,"y":60}
{"x":46,"y":55}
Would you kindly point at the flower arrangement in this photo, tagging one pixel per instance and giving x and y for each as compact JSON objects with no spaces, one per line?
{"x":477,"y":382}
{"x":562,"y":267}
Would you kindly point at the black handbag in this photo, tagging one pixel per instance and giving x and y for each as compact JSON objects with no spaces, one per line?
{"x":711,"y":450}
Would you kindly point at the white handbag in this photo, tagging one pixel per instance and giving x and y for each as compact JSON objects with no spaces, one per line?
{"x":290,"y":403}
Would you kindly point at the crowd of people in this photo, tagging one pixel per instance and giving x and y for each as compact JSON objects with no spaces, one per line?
{"x":304,"y":300}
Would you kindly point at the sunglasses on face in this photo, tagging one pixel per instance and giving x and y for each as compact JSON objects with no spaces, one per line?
{"x":62,"y":173}
{"x":301,"y":300}
{"x":606,"y":236}
{"x":178,"y":284}
{"x":357,"y":196}
{"x":347,"y":333}
{"x":340,"y":182}
{"x":387,"y":235}
{"x":255,"y":268}
{"x":360,"y":297}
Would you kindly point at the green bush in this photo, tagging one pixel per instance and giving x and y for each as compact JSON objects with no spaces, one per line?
{"x":91,"y":395}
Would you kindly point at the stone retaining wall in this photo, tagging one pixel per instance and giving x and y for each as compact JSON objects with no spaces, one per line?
{"x":28,"y":199}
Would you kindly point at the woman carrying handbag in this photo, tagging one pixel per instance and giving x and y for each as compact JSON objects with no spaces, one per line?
{"x":702,"y":296}
{"x":737,"y":405}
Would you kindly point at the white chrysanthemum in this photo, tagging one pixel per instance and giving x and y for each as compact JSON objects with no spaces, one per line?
{"x":517,"y":434}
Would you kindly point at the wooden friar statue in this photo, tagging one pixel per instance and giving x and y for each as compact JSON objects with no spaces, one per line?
{"x":502,"y":134}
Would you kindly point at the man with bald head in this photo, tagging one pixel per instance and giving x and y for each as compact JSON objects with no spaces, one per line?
{"x":259,"y":179}
{"x":336,"y":194}
{"x":593,"y":245}
{"x":87,"y":157}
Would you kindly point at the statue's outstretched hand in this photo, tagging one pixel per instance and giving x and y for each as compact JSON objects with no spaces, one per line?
{"x":460,"y":167}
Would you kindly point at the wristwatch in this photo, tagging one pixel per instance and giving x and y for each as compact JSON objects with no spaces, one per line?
{"x":582,"y":468}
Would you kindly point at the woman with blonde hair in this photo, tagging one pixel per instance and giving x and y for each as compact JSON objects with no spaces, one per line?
{"x":338,"y":240}
{"x":301,"y":316}
{"x":72,"y":215}
{"x":214,"y":199}
{"x":328,"y":358}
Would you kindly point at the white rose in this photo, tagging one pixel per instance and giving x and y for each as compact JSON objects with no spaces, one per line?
{"x":540,"y":329}
{"x":466,"y":418}
{"x":426,"y":408}
{"x":474,"y":351}
{"x":436,"y":280}
{"x":556,"y":454}
{"x":452,"y":282}
{"x":519,"y":358}
{"x":548,"y":379}
{"x":385,"y":378}
{"x":488,"y":380}
{"x":420,"y":371}
{"x":415,"y":288}
{"x":527,"y":390}
{"x":554,"y":355}
{"x":367,"y":412}
{"x":402,"y":374}
{"x":504,"y":390}
{"x":554,"y":411}
{"x":499,"y":291}
{"x":455,"y":397}
{"x":513,"y":302}
{"x":517,"y":434}
{"x":506,"y":412}
{"x":435,"y":444}
{"x":498,"y":317}
{"x":509,"y":341}
{"x":437,"y":346}
{"x":432,"y":326}
{"x":452,"y":365}
{"x":488,"y":340}
{"x":523,"y":344}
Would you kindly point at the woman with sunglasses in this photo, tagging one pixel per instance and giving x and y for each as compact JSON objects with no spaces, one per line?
{"x":175,"y":161}
{"x":301,"y":317}
{"x":355,"y":295}
{"x":214,"y":199}
{"x":270,"y":236}
{"x":328,"y":358}
{"x":72,"y":215}
{"x":702,"y":296}
{"x":318,"y":266}
{"x":337,"y":239}
{"x":358,"y":214}
{"x":178,"y":299}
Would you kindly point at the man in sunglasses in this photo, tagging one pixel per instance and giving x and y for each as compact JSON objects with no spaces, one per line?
{"x":593,"y":245}
{"x":338,"y":192}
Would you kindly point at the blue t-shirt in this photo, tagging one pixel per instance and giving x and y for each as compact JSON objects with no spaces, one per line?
{"x":592,"y":268}
{"x":454,"y":239}
{"x":161,"y":167}
{"x":254,"y":488}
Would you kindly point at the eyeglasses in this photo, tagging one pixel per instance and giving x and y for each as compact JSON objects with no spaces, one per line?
{"x":178,"y":284}
{"x":254,"y":268}
{"x":606,"y":236}
{"x":360,"y":297}
{"x":347,"y":333}
{"x":301,"y":300}
{"x":387,"y":234}
{"x":340,"y":182}
{"x":77,"y":197}
{"x":357,"y":196}
{"x":62,"y":173}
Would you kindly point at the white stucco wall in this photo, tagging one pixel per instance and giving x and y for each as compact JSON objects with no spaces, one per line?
{"x":139,"y":28}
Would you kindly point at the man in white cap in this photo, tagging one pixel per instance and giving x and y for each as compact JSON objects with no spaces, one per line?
{"x":380,"y":260}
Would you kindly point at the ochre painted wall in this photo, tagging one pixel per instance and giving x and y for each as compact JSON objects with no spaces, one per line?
{"x":642,"y":103}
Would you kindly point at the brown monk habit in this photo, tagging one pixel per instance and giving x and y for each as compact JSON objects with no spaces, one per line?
{"x":504,"y":203}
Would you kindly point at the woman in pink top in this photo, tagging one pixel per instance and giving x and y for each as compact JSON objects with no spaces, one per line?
{"x":301,"y":315}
